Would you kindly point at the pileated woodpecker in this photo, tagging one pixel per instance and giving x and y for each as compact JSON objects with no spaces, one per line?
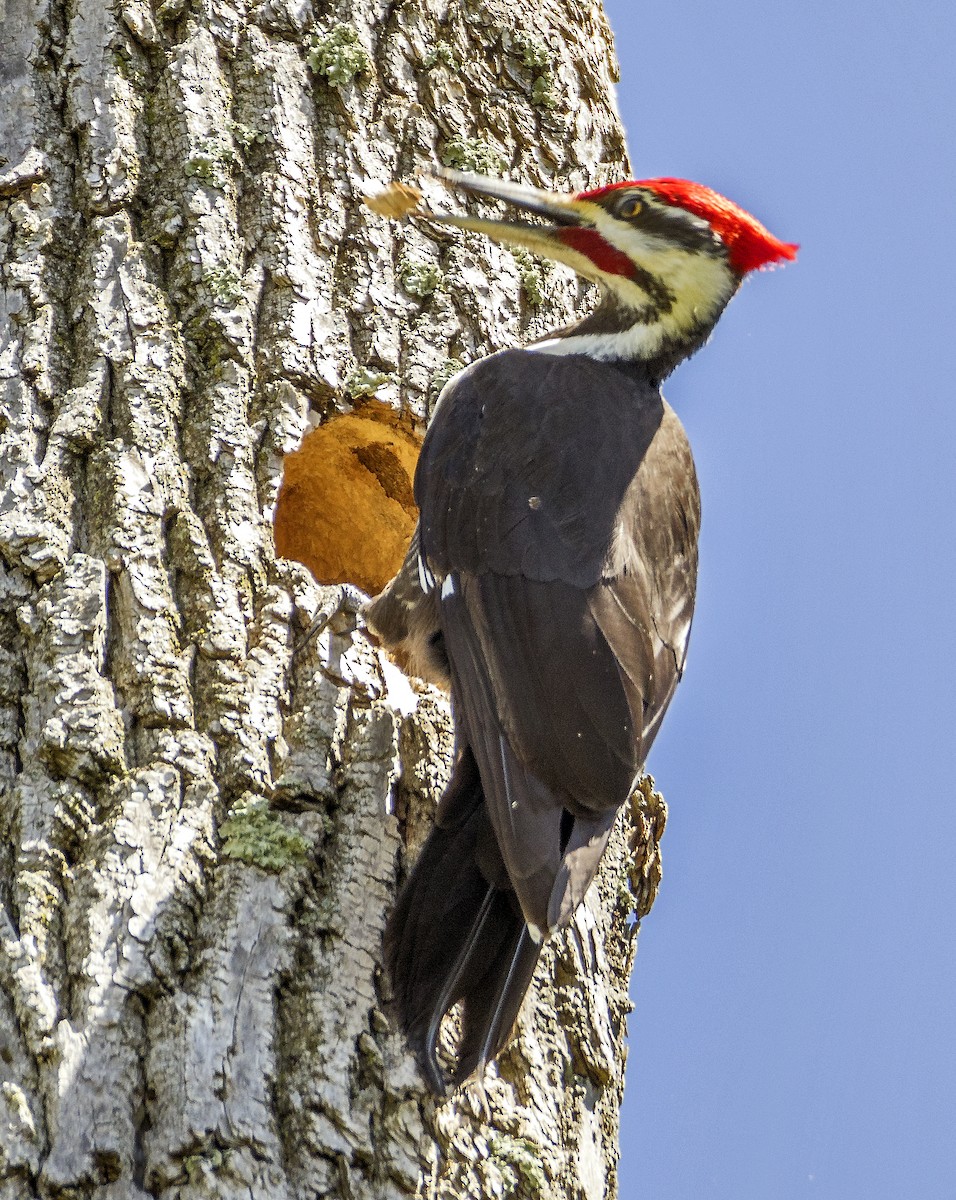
{"x":550,"y":583}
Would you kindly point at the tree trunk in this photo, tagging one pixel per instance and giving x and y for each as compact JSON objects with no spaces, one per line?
{"x":201,"y":829}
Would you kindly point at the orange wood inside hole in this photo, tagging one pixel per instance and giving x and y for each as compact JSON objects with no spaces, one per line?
{"x":346,"y":508}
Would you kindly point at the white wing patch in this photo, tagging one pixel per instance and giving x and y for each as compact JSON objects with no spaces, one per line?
{"x":426,"y":580}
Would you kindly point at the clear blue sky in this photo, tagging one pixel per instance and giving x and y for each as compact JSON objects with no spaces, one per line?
{"x":795,"y":1024}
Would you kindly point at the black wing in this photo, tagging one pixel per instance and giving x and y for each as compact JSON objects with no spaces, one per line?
{"x":559,"y":515}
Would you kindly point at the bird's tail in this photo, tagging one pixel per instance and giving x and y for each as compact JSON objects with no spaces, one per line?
{"x":457,"y":934}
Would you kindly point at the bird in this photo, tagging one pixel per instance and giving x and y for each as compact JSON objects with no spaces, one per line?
{"x":550,"y":584}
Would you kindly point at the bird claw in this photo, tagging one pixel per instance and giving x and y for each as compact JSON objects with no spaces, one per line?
{"x":477,"y":1093}
{"x":345,"y":599}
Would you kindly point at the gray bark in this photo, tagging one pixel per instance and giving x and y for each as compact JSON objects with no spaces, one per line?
{"x":201,"y":832}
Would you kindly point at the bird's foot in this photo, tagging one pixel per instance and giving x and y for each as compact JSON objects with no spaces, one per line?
{"x":477,"y":1094}
{"x":345,"y":600}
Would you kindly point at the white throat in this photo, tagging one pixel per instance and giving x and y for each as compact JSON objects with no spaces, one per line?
{"x":698,"y":286}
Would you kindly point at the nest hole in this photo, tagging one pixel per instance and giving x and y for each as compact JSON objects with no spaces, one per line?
{"x":346,"y":508}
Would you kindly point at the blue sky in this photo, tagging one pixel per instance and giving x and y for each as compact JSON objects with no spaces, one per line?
{"x":795,"y":1024}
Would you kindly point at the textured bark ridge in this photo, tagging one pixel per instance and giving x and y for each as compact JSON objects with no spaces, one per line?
{"x":201,"y":829}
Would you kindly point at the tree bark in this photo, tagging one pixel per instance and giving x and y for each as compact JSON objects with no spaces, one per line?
{"x":201,"y":829}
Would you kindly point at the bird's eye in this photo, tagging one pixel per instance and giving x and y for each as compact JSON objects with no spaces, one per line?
{"x":629,"y":207}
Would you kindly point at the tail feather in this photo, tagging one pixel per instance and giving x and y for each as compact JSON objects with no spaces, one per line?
{"x":454,"y":936}
{"x":496,"y":1030}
